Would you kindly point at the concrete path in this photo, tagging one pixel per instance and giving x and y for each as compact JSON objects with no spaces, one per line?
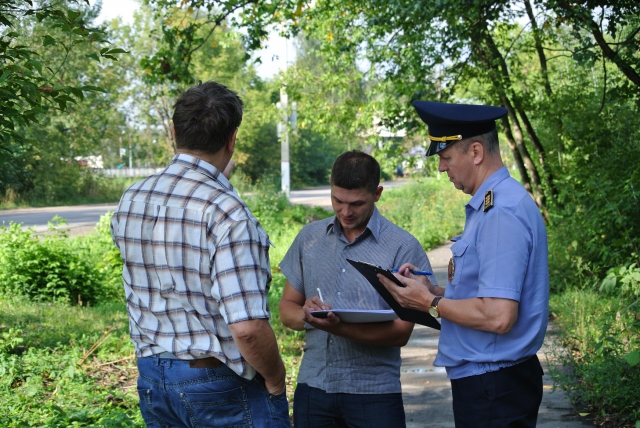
{"x":426,"y":390}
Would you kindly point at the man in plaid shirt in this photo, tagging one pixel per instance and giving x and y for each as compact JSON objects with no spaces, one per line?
{"x":196,"y":275}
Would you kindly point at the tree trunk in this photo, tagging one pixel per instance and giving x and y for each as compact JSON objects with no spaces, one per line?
{"x":539,"y":149}
{"x":545,"y":77}
{"x":538,"y":42}
{"x":498,"y":68}
{"x":524,"y":176}
{"x":538,"y":193}
{"x":581,"y":20}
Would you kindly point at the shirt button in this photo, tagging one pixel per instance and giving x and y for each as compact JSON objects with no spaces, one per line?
{"x":330,"y":364}
{"x":339,"y":293}
{"x":342,"y":270}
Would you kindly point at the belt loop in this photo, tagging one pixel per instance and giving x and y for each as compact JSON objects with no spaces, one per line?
{"x":157,"y":360}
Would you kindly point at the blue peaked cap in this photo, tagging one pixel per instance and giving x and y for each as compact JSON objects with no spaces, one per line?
{"x":449,"y":123}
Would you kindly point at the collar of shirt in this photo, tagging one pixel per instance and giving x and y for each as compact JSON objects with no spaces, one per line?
{"x":202,"y":167}
{"x":477,"y":200}
{"x":374,"y":225}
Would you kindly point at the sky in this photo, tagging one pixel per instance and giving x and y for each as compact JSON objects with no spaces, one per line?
{"x":273,"y":57}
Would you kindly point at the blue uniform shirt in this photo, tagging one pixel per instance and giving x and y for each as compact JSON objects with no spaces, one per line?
{"x":501,"y":253}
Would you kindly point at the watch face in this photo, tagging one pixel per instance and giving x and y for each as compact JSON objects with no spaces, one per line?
{"x":433,"y":312}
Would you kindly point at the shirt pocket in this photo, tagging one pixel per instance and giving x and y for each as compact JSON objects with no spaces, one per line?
{"x":459,"y":248}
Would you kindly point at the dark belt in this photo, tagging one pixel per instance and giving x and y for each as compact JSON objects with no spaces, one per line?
{"x":202,"y":363}
{"x":205,"y":363}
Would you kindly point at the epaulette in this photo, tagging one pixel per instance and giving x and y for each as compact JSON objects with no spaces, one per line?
{"x":488,"y":200}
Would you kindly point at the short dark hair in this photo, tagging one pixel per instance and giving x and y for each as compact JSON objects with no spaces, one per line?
{"x":205,"y":117}
{"x":488,"y":140}
{"x":356,"y":170}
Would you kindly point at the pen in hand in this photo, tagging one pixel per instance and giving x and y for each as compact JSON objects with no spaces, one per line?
{"x":320,"y":294}
{"x":415,"y":272}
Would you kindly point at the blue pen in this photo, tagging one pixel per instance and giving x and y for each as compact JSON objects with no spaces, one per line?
{"x":415,"y":272}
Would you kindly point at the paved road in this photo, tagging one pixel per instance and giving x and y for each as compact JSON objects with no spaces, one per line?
{"x":80,"y":218}
{"x":83,"y":218}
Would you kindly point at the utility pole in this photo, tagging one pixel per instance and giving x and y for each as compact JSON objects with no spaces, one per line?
{"x":283,"y":134}
{"x":284,"y":143}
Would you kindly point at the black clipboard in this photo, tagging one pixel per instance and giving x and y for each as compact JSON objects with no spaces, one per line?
{"x":370,"y":272}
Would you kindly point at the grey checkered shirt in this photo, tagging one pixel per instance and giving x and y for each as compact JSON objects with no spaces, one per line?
{"x":317,"y":259}
{"x":195,"y":261}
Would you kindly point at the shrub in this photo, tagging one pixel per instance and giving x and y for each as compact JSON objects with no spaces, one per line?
{"x":45,"y":268}
{"x":594,"y":217}
{"x":623,"y":281}
{"x":430,"y":209}
{"x":601,"y":340}
{"x":55,"y":267}
{"x":106,"y":258}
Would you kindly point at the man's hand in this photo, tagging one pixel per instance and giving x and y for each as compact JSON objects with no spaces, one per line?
{"x":415,"y":294}
{"x":275,"y":388}
{"x":257,"y":343}
{"x":405,"y":271}
{"x":495,"y":315}
{"x":228,"y":169}
{"x":315,"y":304}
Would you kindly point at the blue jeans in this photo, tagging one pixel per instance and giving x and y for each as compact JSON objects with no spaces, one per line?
{"x":172,"y":394}
{"x":315,"y":408}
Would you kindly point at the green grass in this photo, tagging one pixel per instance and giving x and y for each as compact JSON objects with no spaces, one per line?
{"x":54,"y":365}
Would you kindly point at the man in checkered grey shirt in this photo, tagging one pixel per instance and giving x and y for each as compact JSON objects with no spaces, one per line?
{"x":350,"y":372}
{"x":196,"y":275}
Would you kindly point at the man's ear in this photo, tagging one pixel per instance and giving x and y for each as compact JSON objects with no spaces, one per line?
{"x":376,"y":195}
{"x":231,"y":144}
{"x":477,"y":151}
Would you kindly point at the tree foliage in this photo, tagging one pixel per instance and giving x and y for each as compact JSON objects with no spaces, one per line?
{"x":565,"y":71}
{"x":30,"y":85}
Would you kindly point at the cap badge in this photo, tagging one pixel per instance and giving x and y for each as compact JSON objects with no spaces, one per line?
{"x":488,"y":200}
{"x":451,"y":270}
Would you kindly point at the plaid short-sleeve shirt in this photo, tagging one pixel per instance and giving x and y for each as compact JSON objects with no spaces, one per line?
{"x":195,"y":260}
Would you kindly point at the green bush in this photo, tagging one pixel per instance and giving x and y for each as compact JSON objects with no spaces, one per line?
{"x":623,"y":281}
{"x":45,"y":268}
{"x":55,"y":267}
{"x":594,"y":218}
{"x":600,"y":338}
{"x":62,"y":183}
{"x":431,"y":209}
{"x":106,"y":258}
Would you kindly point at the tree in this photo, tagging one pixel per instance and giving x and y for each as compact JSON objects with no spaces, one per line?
{"x":614,"y":27}
{"x":30,"y":87}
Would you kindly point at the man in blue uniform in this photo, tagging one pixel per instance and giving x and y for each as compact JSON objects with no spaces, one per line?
{"x":494,"y":308}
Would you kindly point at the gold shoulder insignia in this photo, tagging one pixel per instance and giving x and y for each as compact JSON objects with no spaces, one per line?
{"x":488,"y":200}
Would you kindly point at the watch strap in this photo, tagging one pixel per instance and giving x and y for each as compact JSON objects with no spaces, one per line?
{"x":434,"y":304}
